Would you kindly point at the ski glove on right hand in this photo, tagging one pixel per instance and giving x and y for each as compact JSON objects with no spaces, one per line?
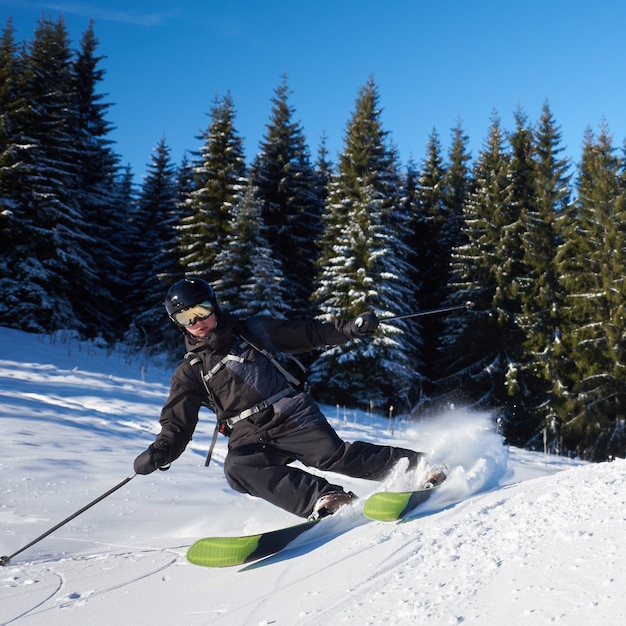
{"x":156,"y":456}
{"x":361,"y":326}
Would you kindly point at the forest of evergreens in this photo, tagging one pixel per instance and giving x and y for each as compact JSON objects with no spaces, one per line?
{"x":535,"y":242}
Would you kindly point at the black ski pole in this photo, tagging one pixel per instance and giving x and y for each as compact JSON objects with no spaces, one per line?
{"x":446,"y":309}
{"x":5,"y":560}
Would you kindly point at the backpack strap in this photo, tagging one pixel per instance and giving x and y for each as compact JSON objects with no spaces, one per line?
{"x":255,"y":332}
{"x":196,"y":362}
{"x":293,"y":381}
{"x":261,"y":406}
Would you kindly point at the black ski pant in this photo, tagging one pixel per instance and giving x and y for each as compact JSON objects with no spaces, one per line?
{"x":263,"y":468}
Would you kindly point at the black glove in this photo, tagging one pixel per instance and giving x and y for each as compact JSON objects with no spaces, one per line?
{"x":156,"y":456}
{"x":361,"y":326}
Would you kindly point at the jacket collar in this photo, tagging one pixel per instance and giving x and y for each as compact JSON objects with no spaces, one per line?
{"x":218,"y":340}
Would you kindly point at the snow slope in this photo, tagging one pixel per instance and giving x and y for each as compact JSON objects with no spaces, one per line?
{"x":512,"y":537}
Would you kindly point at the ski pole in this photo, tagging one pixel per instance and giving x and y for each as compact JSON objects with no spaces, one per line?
{"x":467,"y":306}
{"x":5,"y":560}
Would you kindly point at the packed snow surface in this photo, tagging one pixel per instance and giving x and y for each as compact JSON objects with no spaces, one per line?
{"x":513,"y":537}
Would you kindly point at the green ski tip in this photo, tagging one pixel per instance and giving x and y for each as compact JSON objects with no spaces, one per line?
{"x":229,"y":551}
{"x":389,"y":506}
{"x":222,"y":551}
{"x":386,"y":506}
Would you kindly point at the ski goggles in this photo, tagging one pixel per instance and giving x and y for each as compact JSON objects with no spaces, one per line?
{"x":189,"y":316}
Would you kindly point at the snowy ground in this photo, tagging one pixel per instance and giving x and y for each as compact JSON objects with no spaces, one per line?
{"x":512,"y":537}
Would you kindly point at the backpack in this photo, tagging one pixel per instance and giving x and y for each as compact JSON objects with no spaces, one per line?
{"x":225,"y":427}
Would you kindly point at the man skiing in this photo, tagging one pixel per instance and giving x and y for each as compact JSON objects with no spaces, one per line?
{"x":230,"y":366}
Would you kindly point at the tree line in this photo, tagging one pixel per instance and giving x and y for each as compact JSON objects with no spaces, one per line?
{"x":537,"y":250}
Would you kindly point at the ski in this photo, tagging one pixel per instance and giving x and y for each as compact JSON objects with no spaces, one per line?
{"x":384,"y":506}
{"x":229,"y":551}
{"x":391,"y":506}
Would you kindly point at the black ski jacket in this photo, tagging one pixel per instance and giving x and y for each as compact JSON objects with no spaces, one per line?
{"x":240,"y":382}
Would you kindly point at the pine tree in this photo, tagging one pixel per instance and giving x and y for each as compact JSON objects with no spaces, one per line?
{"x":126,"y":239}
{"x":323,"y":170}
{"x":93,"y":300}
{"x":292,"y":200}
{"x":540,"y":315}
{"x":473,"y":363}
{"x":11,"y":105}
{"x":51,"y":255}
{"x":518,"y":282}
{"x":410,"y":234}
{"x":432,"y":252}
{"x":251,"y":281}
{"x":591,"y":266}
{"x":185,"y":184}
{"x":458,"y":185}
{"x":219,"y":182}
{"x":363,"y":266}
{"x":156,"y":256}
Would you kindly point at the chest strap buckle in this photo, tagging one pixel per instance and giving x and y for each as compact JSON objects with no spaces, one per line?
{"x":257,"y":408}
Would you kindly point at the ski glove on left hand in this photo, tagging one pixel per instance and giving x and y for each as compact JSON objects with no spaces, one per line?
{"x":361,"y":326}
{"x":156,"y":456}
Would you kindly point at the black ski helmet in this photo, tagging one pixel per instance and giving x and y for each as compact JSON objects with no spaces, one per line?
{"x":188,"y":292}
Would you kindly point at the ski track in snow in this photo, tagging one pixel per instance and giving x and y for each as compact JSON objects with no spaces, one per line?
{"x":512,"y":537}
{"x":65,"y":593}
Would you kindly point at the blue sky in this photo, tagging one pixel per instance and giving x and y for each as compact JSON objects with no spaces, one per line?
{"x":435,"y":63}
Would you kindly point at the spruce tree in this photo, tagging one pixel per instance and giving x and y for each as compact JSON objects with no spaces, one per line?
{"x":474,"y":352}
{"x":219,"y":182}
{"x":184,"y":181}
{"x":415,"y":244}
{"x":410,"y":233}
{"x":156,"y":255}
{"x":432,"y":251}
{"x":540,"y":315}
{"x":458,"y":185}
{"x":52,"y":254}
{"x":251,"y":281}
{"x":11,"y":106}
{"x":93,"y":299}
{"x":323,"y":170}
{"x":362,"y":266}
{"x":518,"y":281}
{"x":126,"y":239}
{"x":591,"y":267}
{"x":291,"y":194}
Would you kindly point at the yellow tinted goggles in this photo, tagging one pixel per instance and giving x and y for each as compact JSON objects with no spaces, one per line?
{"x":189,"y":316}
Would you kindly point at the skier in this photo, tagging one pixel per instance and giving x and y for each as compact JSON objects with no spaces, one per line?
{"x":230,"y":366}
